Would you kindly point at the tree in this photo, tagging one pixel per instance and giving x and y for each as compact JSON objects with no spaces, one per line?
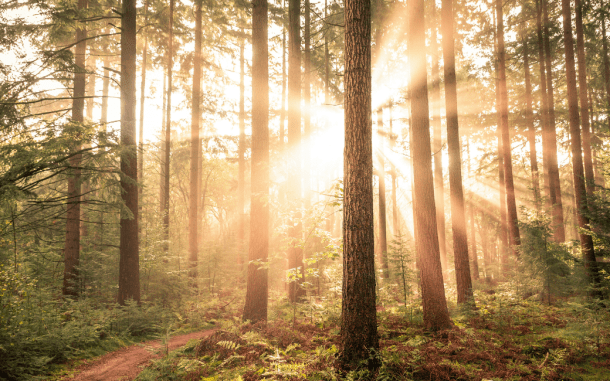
{"x":295,"y":252}
{"x":437,"y":144}
{"x":458,"y":215}
{"x":554,"y":182}
{"x":511,"y":205}
{"x":436,"y":315}
{"x":358,"y":310}
{"x":383,"y":240}
{"x":255,"y":308}
{"x":72,"y":243}
{"x":167,"y":141}
{"x":129,"y":264}
{"x":195,"y":147}
{"x":142,"y":102}
{"x":241,"y":181}
{"x":586,"y":240}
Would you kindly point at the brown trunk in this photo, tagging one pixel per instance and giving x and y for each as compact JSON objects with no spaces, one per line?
{"x":89,"y":105}
{"x":255,"y":308}
{"x":72,"y":241}
{"x":168,"y":126}
{"x":511,"y":205}
{"x":544,"y":108}
{"x":436,"y":316}
{"x":473,"y":243}
{"x":437,"y":145}
{"x":129,"y":262}
{"x":307,"y":106}
{"x":283,"y":107}
{"x":606,"y":67}
{"x":584,"y":101}
{"x":383,"y":238}
{"x":559,"y":229}
{"x":295,"y":252}
{"x":358,"y":312}
{"x":458,"y":215}
{"x":105,"y":88}
{"x":242,"y":150}
{"x":529,"y":121}
{"x":195,"y":147}
{"x":485,"y":247}
{"x":586,"y":240}
{"x":162,"y":146}
{"x":395,"y":223}
{"x":141,"y":129}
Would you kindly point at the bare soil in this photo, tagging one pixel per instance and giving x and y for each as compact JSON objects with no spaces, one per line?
{"x":127,"y":363}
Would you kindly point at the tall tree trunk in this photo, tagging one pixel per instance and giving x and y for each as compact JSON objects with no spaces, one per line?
{"x":554,"y":182}
{"x":474,"y":263}
{"x":129,"y":262}
{"x":395,"y":223}
{"x":105,"y":87}
{"x":586,"y":240}
{"x":283,"y":108}
{"x":141,"y":129}
{"x":584,"y":101}
{"x":242,"y":149}
{"x":383,"y":238}
{"x":307,"y":106}
{"x":295,"y":253}
{"x":437,"y":145}
{"x":529,"y":121}
{"x":195,"y":147}
{"x":89,"y":105}
{"x":503,"y":236}
{"x":358,"y":310}
{"x":606,"y":67}
{"x":434,"y":303}
{"x":458,"y":215}
{"x":72,"y":241}
{"x":168,"y":126}
{"x":162,"y":146}
{"x":511,"y":205}
{"x":544,"y":113}
{"x":255,"y":308}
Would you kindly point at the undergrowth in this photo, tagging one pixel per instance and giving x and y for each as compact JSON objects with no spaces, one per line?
{"x":506,"y":338}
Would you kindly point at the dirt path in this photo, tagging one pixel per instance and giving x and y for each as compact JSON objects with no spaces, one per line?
{"x":127,"y":363}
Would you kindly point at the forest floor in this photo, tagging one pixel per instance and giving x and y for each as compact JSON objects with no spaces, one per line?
{"x":127,"y":363}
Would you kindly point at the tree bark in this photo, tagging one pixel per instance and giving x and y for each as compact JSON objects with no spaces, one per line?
{"x":307,"y":106}
{"x":458,"y":215}
{"x":586,"y":240}
{"x":436,"y":316}
{"x":242,"y":149}
{"x":584,"y":101}
{"x":283,"y":107}
{"x":358,"y":311}
{"x":255,"y":308}
{"x":529,"y":121}
{"x":168,"y":125}
{"x":437,"y":145}
{"x":606,"y":67}
{"x":295,"y":252}
{"x":395,"y":223}
{"x":105,"y":87}
{"x":511,"y":205}
{"x":383,"y":238}
{"x":72,"y":241}
{"x":141,"y":129}
{"x":554,"y":182}
{"x":129,"y":262}
{"x":162,"y":146}
{"x":195,"y":147}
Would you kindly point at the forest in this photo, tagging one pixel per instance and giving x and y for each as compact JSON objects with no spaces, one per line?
{"x":304,"y":190}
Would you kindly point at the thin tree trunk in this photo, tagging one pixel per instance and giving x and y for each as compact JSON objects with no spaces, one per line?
{"x":105,"y":88}
{"x":195,"y":147}
{"x":242,"y":148}
{"x":546,"y":136}
{"x":307,"y":106}
{"x":437,"y":145}
{"x":529,"y":121}
{"x":436,"y":316}
{"x":511,"y":205}
{"x":586,"y":240}
{"x":584,"y":101}
{"x":72,"y":241}
{"x":383,"y":238}
{"x":458,"y":215}
{"x":283,"y":108}
{"x":358,"y":310}
{"x":559,"y":229}
{"x":255,"y":308}
{"x":162,"y":146}
{"x":129,"y":265}
{"x":474,"y":263}
{"x":606,"y":67}
{"x":168,"y":125}
{"x":295,"y":253}
{"x":141,"y":129}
